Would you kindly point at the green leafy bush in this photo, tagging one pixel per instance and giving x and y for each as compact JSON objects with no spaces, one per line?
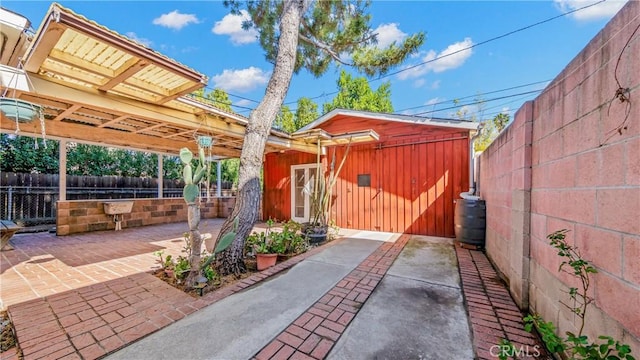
{"x":575,"y":346}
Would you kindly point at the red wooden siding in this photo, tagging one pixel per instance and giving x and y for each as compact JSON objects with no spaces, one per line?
{"x":277,"y":182}
{"x":417,"y":171}
{"x":413,"y":186}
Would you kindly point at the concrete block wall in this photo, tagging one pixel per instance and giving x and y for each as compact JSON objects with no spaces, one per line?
{"x":505,"y":180}
{"x":580,"y":167}
{"x":78,"y":216}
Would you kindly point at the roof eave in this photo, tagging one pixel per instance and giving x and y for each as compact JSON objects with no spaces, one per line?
{"x":442,"y":122}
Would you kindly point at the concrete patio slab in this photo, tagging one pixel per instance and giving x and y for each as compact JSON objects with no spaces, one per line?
{"x":429,"y":259}
{"x":413,"y":313}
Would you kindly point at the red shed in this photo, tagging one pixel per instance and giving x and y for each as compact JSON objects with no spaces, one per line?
{"x":402,"y":175}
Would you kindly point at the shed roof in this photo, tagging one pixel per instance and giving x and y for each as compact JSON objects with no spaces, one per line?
{"x":440,"y":122}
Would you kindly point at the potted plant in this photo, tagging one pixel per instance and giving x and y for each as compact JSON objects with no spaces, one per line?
{"x":263,"y":247}
{"x":266,"y":256}
{"x":290,"y":242}
{"x":320,"y":196}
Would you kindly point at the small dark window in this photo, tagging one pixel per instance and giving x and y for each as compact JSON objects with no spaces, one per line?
{"x":364,"y":180}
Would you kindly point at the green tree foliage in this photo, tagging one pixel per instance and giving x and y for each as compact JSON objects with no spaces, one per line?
{"x":500,"y":121}
{"x":296,"y":35}
{"x":325,"y":31}
{"x":356,"y":94}
{"x":285,"y":120}
{"x":19,"y":154}
{"x":490,"y":131}
{"x":306,"y":112}
{"x":230,"y":170}
{"x":217,"y":97}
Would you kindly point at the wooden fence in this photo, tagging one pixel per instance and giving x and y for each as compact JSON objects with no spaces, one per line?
{"x":30,"y":199}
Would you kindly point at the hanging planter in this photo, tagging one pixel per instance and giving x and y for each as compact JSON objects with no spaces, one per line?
{"x":20,"y":110}
{"x":205,"y":141}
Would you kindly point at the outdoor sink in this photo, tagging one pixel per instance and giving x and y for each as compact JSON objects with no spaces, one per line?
{"x":117,"y":207}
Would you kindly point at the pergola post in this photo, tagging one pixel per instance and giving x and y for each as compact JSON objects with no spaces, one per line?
{"x":62,"y":170}
{"x":219,"y":178}
{"x":160,"y":176}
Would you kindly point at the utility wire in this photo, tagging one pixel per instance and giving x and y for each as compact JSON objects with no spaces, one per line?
{"x":474,"y":96}
{"x":489,"y":40}
{"x":447,"y":55}
{"x":479,"y":102}
{"x":474,"y":45}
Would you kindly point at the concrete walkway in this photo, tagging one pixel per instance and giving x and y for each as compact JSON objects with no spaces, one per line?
{"x":239,"y":326}
{"x":416,"y":311}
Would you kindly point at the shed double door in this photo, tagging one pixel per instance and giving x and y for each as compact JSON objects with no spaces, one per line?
{"x":411,"y":187}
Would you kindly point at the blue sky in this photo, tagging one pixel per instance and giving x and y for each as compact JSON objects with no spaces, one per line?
{"x":202,"y":35}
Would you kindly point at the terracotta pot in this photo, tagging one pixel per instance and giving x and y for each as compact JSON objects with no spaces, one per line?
{"x":265,"y":261}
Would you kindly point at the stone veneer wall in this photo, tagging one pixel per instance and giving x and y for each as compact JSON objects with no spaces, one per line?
{"x":571,"y":160}
{"x":78,"y":216}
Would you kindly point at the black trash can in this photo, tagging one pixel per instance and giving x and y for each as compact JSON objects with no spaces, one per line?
{"x":470,"y":221}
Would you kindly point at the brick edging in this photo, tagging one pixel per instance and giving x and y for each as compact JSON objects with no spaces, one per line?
{"x":493,"y":315}
{"x":314,"y":333}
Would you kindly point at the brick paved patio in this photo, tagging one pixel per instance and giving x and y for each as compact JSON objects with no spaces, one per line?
{"x":83,"y":296}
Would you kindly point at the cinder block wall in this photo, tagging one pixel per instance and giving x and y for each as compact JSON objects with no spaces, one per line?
{"x":88,"y":215}
{"x":584,"y":156}
{"x":505,"y":185}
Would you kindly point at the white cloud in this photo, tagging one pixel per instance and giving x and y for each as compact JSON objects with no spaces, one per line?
{"x":175,"y":20}
{"x":244,"y":102}
{"x":419,"y":83}
{"x":387,"y":34}
{"x":450,"y":58}
{"x":232,"y":25}
{"x":433,"y":101}
{"x":435,"y":85}
{"x":133,"y":36}
{"x":506,"y":110}
{"x":604,"y":10}
{"x":242,"y":80}
{"x":189,"y":49}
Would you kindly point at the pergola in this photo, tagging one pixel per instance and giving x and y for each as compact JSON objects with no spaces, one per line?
{"x":96,"y":86}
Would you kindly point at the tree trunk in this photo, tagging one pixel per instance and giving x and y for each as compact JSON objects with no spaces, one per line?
{"x":247,"y":203}
{"x":195,"y":243}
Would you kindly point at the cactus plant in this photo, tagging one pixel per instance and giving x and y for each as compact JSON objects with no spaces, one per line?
{"x":191,"y":178}
{"x":190,"y":193}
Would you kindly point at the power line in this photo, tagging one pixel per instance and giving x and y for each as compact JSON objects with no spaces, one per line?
{"x":209,"y":100}
{"x":447,"y":55}
{"x":479,"y":102}
{"x":234,"y":95}
{"x":475,"y":45}
{"x":489,"y":40}
{"x":476,"y":95}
